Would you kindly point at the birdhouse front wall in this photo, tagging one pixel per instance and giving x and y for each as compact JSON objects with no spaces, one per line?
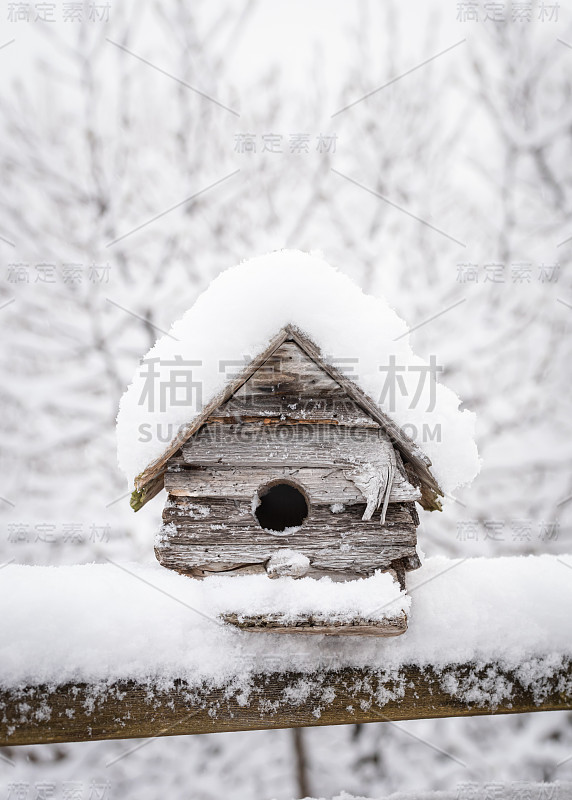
{"x":286,"y":463}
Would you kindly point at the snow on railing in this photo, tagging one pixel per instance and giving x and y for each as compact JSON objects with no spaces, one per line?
{"x":119,"y":650}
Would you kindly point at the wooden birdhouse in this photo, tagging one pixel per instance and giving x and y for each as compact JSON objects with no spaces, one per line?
{"x":292,"y":471}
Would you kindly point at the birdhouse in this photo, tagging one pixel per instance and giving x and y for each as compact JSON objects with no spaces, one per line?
{"x":292,"y":470}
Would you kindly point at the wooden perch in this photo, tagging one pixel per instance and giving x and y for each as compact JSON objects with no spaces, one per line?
{"x":319,"y":625}
{"x":122,"y":710}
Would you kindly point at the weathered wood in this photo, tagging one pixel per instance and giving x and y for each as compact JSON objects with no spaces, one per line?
{"x":329,"y":411}
{"x":410,"y":452}
{"x":152,"y":488}
{"x":255,"y":444}
{"x":290,"y":385}
{"x":125,"y":709}
{"x":206,"y":570}
{"x":326,"y":485}
{"x":260,"y":445}
{"x":157,"y":466}
{"x":289,"y":372}
{"x":221,"y":534}
{"x":275,"y":420}
{"x":213,"y":515}
{"x":319,"y":625}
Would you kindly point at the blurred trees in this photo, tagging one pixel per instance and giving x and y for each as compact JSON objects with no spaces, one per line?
{"x":108,"y":195}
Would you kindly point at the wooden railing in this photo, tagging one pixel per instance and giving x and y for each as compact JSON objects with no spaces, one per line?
{"x":125,"y":709}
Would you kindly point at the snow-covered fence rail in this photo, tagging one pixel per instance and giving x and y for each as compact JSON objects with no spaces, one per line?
{"x":128,"y":709}
{"x":119,"y":651}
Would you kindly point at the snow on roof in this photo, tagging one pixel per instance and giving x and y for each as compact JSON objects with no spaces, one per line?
{"x":105,"y":622}
{"x":234,"y":320}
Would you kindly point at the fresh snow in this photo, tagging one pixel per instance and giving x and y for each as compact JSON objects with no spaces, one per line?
{"x":234,"y":320}
{"x":373,"y":598}
{"x":294,"y":564}
{"x":104,"y":622}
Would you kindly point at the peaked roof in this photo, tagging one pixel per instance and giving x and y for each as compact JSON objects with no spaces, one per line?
{"x":150,"y":482}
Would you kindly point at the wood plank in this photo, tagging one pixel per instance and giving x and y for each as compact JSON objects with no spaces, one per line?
{"x":125,"y":709}
{"x":187,"y":558}
{"x":327,"y":485}
{"x":237,"y":515}
{"x":283,"y":419}
{"x":329,"y":411}
{"x":256,"y":444}
{"x":319,"y":626}
{"x":290,"y":385}
{"x":221,"y":534}
{"x":205,"y":570}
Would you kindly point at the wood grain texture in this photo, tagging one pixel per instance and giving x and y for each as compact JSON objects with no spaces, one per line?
{"x":151,"y":488}
{"x":319,"y":625}
{"x":152,"y":471}
{"x":260,"y":445}
{"x":222,"y":534}
{"x":328,"y":485}
{"x":257,"y":444}
{"x":408,"y":448}
{"x":412,"y":455}
{"x":122,"y":710}
{"x":290,"y":385}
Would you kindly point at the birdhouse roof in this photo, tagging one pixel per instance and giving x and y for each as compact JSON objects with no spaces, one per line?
{"x":235,"y":322}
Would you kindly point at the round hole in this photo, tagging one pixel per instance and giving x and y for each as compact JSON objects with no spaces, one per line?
{"x":282,"y":506}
